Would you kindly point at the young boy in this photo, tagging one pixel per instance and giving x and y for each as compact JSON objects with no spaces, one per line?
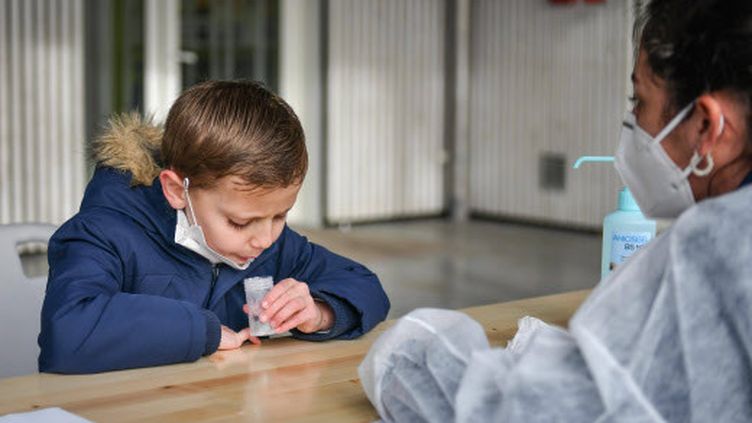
{"x":150,"y":271}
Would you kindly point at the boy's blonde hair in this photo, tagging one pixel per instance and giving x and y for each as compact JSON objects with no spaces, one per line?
{"x":238,"y":128}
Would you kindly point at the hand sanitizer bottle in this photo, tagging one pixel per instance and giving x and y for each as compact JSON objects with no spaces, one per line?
{"x":625,"y":230}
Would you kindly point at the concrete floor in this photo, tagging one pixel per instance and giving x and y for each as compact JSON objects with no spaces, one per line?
{"x":437,"y":263}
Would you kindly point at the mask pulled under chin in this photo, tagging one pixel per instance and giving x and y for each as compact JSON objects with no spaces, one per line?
{"x":192,"y":238}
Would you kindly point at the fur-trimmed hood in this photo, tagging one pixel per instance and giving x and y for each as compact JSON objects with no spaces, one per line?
{"x":130,"y":143}
{"x":127,"y":157}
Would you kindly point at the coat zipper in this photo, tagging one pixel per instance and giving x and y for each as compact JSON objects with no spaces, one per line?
{"x":215,"y":276}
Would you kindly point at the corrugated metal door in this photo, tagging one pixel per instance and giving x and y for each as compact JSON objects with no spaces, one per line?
{"x":42,"y":145}
{"x":547,"y":83}
{"x":385,"y":114}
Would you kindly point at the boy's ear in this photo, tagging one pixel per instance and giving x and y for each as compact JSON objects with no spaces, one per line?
{"x":172,"y":188}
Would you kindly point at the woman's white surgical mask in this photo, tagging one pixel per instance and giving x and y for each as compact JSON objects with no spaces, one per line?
{"x":190,"y":235}
{"x":659,"y":186}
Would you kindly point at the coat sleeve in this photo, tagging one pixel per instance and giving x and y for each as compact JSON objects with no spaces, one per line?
{"x":89,"y":325}
{"x":354,"y":292}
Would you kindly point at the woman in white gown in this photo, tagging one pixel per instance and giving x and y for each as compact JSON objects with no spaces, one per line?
{"x":668,"y":335}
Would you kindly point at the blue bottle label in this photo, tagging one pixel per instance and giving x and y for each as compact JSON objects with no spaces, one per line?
{"x":624,"y":244}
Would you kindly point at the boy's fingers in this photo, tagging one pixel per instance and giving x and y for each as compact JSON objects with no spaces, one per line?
{"x":277,"y":290}
{"x":244,"y":334}
{"x":293,"y":306}
{"x":246,"y":309}
{"x":296,"y":321}
{"x":237,"y":339}
{"x":229,"y":339}
{"x":274,"y":308}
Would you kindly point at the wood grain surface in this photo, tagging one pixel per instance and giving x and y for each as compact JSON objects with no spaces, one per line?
{"x":281,"y":380}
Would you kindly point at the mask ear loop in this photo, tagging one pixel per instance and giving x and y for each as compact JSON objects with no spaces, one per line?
{"x":708,"y":158}
{"x":678,"y":119}
{"x":189,"y":206}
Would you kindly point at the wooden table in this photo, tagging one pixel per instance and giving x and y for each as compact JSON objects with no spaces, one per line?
{"x":284,"y":379}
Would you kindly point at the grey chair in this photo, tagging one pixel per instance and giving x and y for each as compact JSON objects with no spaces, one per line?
{"x":20,"y":299}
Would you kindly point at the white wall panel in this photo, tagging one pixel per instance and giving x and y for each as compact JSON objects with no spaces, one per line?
{"x":162,"y":75}
{"x":385,"y":116}
{"x":301,"y":49}
{"x":546,"y":78}
{"x":42,"y":145}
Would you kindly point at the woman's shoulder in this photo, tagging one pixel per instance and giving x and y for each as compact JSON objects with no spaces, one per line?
{"x":718,"y":225}
{"x":729,"y":210}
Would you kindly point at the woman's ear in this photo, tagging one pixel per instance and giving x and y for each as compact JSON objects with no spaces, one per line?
{"x":712,"y":123}
{"x":172,"y":188}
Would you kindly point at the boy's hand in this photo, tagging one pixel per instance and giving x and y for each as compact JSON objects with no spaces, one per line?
{"x":231,"y":340}
{"x":290,"y":305}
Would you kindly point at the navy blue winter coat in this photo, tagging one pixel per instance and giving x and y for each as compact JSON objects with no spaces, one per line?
{"x":122,"y":294}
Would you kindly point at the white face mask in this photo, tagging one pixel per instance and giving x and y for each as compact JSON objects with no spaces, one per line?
{"x":191,"y":236}
{"x":659,"y":186}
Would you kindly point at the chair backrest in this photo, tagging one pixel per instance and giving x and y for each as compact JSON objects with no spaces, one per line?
{"x":20,"y":300}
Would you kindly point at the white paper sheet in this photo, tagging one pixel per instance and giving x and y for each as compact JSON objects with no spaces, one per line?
{"x":46,"y":415}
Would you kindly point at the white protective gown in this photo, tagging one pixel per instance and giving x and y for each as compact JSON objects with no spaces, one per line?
{"x":666,"y":337}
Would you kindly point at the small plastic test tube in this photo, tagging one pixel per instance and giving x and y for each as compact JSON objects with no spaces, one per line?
{"x":256,"y":289}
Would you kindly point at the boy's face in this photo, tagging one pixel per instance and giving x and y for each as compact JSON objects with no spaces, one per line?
{"x":237,"y":223}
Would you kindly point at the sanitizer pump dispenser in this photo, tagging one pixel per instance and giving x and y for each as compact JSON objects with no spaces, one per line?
{"x":626,"y":230}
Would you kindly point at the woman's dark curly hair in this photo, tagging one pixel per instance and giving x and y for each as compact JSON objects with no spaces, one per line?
{"x":698,"y":46}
